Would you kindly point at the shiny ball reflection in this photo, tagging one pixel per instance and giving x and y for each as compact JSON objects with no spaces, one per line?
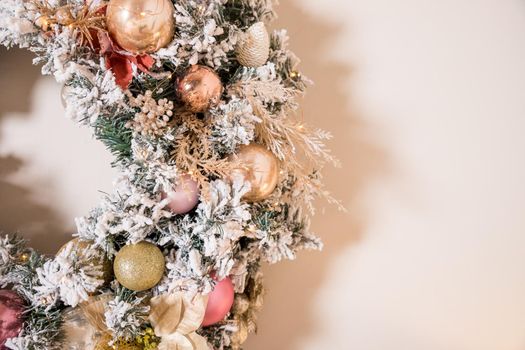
{"x":258,"y":166}
{"x":141,"y":26}
{"x":200,"y":88}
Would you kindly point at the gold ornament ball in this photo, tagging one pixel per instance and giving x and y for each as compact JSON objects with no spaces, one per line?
{"x":139,"y":266}
{"x":258,"y":166}
{"x":80,"y":245}
{"x":200,"y":88}
{"x":141,"y":26}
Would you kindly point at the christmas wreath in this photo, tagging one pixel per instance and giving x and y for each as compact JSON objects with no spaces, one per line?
{"x":197,"y":101}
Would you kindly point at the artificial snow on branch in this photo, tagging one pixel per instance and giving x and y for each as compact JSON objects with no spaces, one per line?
{"x":198,"y":103}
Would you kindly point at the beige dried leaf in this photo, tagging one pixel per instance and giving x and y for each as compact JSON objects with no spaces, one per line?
{"x":175,"y":318}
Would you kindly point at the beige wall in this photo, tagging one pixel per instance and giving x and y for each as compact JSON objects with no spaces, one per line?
{"x":427,"y":103}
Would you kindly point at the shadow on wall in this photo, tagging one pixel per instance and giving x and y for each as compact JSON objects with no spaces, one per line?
{"x":19,"y":211}
{"x":288,"y":315}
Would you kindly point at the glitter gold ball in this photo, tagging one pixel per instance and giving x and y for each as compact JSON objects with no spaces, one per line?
{"x":258,"y":166}
{"x":139,"y":266}
{"x":141,"y":26}
{"x":200,"y":88}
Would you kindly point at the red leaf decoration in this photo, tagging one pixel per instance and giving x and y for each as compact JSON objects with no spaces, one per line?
{"x":122,"y":69}
{"x":119,"y":61}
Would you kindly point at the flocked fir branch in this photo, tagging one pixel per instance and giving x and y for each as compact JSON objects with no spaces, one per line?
{"x":126,"y":314}
{"x":157,"y":142}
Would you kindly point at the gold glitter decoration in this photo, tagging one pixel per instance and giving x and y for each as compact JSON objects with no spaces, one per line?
{"x":141,"y":26}
{"x":120,"y":345}
{"x":85,"y":22}
{"x":139,"y":266}
{"x":148,"y":340}
{"x":200,"y":89}
{"x":253,"y":49}
{"x":258,"y":166}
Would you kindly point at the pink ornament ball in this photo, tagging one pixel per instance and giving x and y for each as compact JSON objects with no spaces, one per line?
{"x":185,"y":196}
{"x":220,"y":302}
{"x":11,"y":311}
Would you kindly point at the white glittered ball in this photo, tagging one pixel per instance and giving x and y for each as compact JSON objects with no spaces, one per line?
{"x":253,"y":48}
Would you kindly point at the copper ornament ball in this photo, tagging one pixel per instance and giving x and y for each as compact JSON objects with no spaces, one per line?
{"x":200,"y":88}
{"x":140,"y":266}
{"x":258,"y":166}
{"x":141,"y":26}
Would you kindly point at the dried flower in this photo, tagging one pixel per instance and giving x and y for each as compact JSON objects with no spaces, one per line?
{"x":153,"y":117}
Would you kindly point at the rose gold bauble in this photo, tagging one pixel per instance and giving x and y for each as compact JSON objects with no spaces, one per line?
{"x":258,"y":166}
{"x":184,"y":196}
{"x":141,"y":26}
{"x":200,"y":88}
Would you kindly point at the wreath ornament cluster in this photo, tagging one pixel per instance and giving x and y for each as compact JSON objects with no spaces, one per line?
{"x":196,"y":100}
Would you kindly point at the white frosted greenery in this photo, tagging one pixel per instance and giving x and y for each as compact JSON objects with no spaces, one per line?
{"x":224,"y":234}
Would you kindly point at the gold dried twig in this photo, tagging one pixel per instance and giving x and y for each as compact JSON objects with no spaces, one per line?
{"x":300,"y":148}
{"x":193,"y":152}
{"x":84,"y":20}
{"x":284,"y":136}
